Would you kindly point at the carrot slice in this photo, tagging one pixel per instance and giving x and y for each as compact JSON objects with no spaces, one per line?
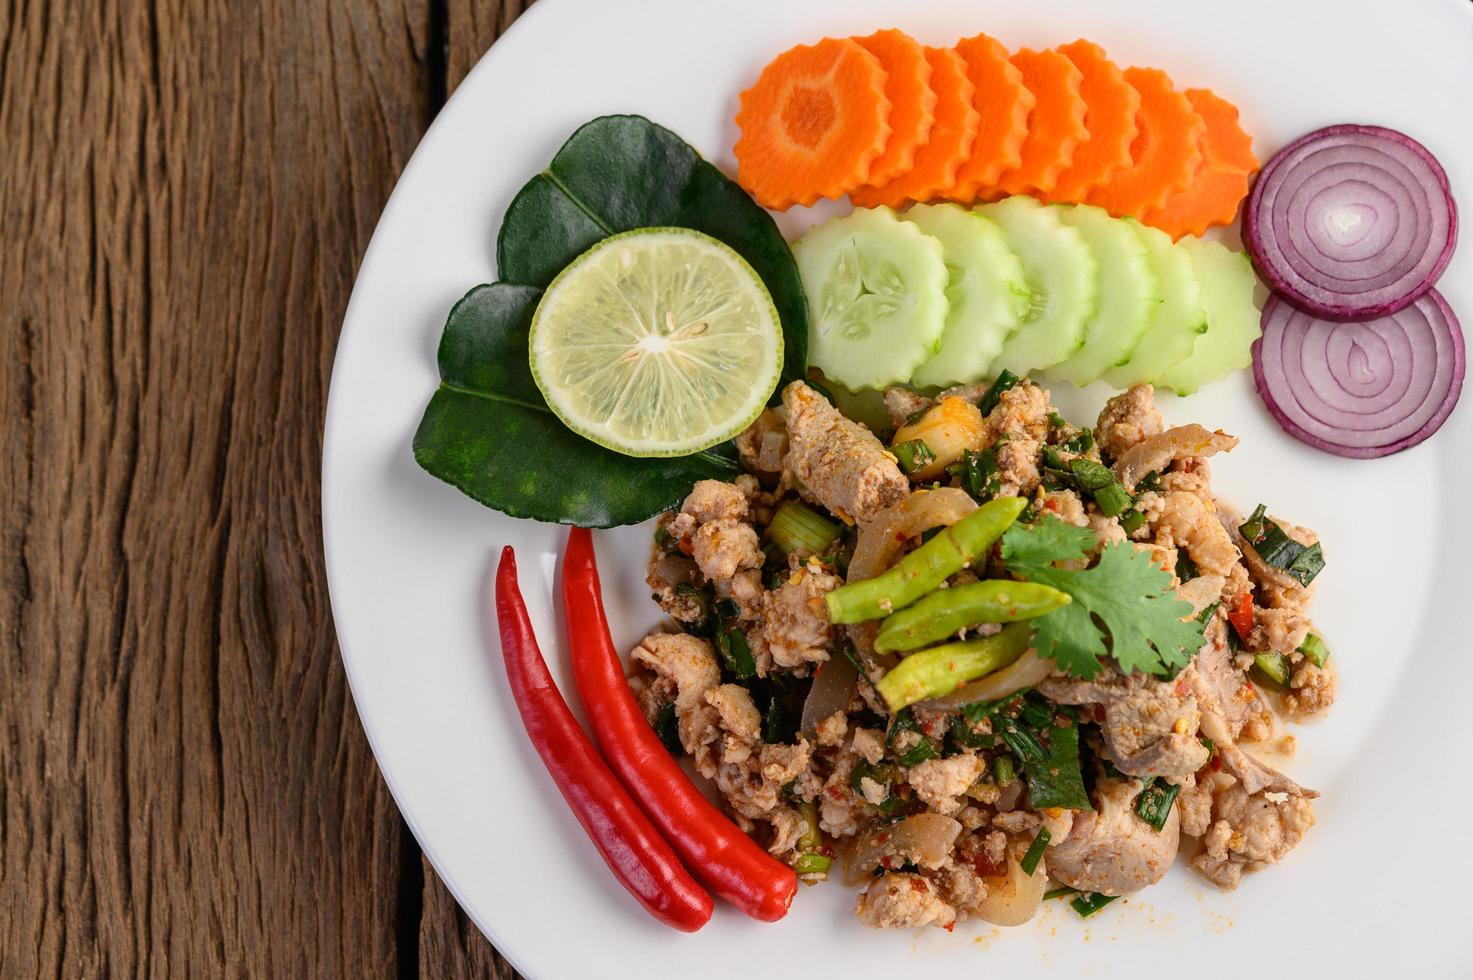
{"x":912,"y":103}
{"x":1221,"y":181}
{"x":1111,"y":105}
{"x":1003,"y":104}
{"x":934,"y":169}
{"x":1164,"y":155}
{"x":813,"y":124}
{"x":1056,"y":126}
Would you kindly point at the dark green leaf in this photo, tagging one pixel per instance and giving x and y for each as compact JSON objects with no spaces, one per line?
{"x":617,"y":173}
{"x":1276,"y":548}
{"x":736,"y":655}
{"x":488,"y":432}
{"x":665,"y":727}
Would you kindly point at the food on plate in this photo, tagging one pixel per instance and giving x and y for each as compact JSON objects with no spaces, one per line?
{"x":1003,"y":104}
{"x":877,"y":296}
{"x":1351,"y":221}
{"x":488,"y":430}
{"x":912,"y":101}
{"x":1221,"y":181}
{"x":933,"y":169}
{"x":813,"y":124}
{"x":987,"y":295}
{"x":656,"y":342}
{"x":1361,"y":389}
{"x":1165,"y":153}
{"x":629,"y":844}
{"x":1175,"y":323}
{"x":1111,"y":106}
{"x":1125,"y":300}
{"x":1040,"y":663}
{"x":1062,"y":276}
{"x":725,"y":860}
{"x":1227,"y":291}
{"x":1055,"y":127}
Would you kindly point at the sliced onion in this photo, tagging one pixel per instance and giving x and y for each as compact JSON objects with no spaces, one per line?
{"x":1028,"y":670}
{"x":1351,"y":221}
{"x":833,"y":686}
{"x":1013,"y":897}
{"x":1360,"y":389}
{"x":925,"y":838}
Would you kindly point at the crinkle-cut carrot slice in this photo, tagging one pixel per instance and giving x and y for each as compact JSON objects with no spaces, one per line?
{"x":1056,"y":126}
{"x":934,"y":169}
{"x":1165,"y":154}
{"x":813,"y":124}
{"x":912,"y":103}
{"x":1221,"y":181}
{"x":1003,"y":104}
{"x":1111,"y":106}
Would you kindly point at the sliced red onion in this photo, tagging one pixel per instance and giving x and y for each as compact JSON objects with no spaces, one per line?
{"x":1363,"y":389}
{"x":1351,"y":222}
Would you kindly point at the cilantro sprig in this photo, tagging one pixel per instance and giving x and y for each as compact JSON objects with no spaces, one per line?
{"x":1123,"y":607}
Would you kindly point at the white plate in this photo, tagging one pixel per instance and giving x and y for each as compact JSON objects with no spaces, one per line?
{"x":1379,"y":885}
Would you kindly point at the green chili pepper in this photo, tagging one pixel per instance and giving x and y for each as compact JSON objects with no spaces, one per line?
{"x":945,"y":611}
{"x":956,"y":548}
{"x":940,"y":670}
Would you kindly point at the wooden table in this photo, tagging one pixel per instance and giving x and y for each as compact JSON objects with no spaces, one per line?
{"x":186,"y":189}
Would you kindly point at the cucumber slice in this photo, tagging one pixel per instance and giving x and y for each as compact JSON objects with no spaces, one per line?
{"x":1128,"y":295}
{"x":986,"y":292}
{"x":1061,"y":275}
{"x":1178,"y":320}
{"x":1228,"y":295}
{"x":876,"y":290}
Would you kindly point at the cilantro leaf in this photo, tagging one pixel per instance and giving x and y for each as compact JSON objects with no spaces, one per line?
{"x":1125,"y":599}
{"x":1026,"y":546}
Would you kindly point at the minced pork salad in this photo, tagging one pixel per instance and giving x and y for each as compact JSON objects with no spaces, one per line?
{"x":1001,"y":659}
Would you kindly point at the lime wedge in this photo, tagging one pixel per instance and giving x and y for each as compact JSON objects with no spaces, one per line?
{"x":657,"y":342}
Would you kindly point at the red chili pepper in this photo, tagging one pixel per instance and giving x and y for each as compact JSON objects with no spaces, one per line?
{"x":726,"y":860}
{"x":630,"y":845}
{"x":1241,"y":615}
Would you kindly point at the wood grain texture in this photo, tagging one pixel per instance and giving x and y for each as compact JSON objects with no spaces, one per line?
{"x":186,"y":188}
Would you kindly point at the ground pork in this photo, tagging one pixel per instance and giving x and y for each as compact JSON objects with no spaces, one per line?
{"x":938,"y":782}
{"x":1066,"y":506}
{"x":903,"y":403}
{"x":754,"y":786}
{"x":667,"y":575}
{"x":1127,"y":419}
{"x":1282,"y":629}
{"x":963,"y":889}
{"x":1189,"y":522}
{"x":674,"y":667}
{"x":793,"y":626}
{"x":830,"y":731}
{"x":1017,"y":429}
{"x":714,"y":523}
{"x":1244,"y":831}
{"x":838,"y":463}
{"x":1311,"y":690}
{"x":1149,"y":726}
{"x":903,"y":901}
{"x":1111,"y":850}
{"x":869,"y":744}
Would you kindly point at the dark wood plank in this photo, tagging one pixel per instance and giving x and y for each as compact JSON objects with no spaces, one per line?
{"x":185,"y":190}
{"x":450,"y":945}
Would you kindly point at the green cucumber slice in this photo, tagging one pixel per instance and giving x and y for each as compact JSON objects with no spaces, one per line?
{"x":986,"y":292}
{"x":877,"y":303}
{"x":1062,"y":276}
{"x":1128,"y":294}
{"x":1229,"y":290}
{"x":1178,"y":320}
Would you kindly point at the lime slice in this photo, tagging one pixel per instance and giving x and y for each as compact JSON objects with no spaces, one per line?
{"x":657,"y":342}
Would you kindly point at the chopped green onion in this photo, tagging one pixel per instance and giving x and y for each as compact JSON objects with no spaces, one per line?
{"x":728,"y":609}
{"x":905,"y":721}
{"x":1005,"y":381}
{"x":1205,"y":616}
{"x":1056,"y":421}
{"x":1081,"y":443}
{"x":1002,"y":769}
{"x":916,"y":416}
{"x":1088,"y":903}
{"x":798,"y":527}
{"x":812,"y":864}
{"x":1210,"y":745}
{"x":1153,"y":805}
{"x":812,"y":837}
{"x":919,"y":754}
{"x":913,"y":455}
{"x":1091,"y":475}
{"x":1029,"y":864}
{"x":666,"y":727}
{"x":1054,"y":893}
{"x":1276,"y":548}
{"x":1314,"y":650}
{"x":1150,"y":483}
{"x":1274,"y":666}
{"x":1111,"y":500}
{"x":978,"y":472}
{"x":852,"y":655}
{"x":1131,"y":521}
{"x":736,"y":655}
{"x":882,"y":774}
{"x":1186,"y":569}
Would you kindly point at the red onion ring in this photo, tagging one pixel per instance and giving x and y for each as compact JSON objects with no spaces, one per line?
{"x":1363,"y":389}
{"x":1351,"y":222}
